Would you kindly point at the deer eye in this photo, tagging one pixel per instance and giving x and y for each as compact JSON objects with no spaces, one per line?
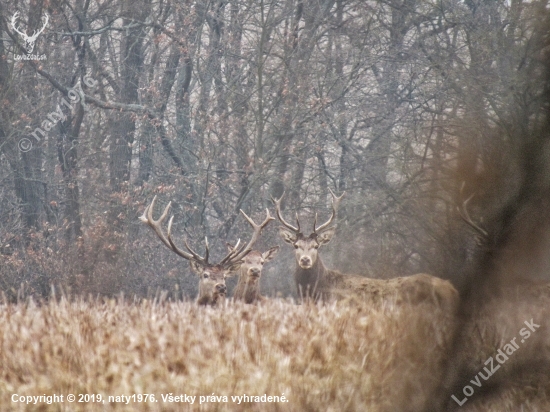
{"x":295,"y":246}
{"x":315,"y":246}
{"x":205,"y":275}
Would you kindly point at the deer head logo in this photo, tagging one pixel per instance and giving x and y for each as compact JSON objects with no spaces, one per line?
{"x":29,"y":40}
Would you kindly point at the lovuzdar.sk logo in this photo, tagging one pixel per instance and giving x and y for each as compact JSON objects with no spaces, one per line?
{"x":29,"y":40}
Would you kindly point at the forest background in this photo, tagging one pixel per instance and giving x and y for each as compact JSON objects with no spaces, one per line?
{"x":410,"y":107}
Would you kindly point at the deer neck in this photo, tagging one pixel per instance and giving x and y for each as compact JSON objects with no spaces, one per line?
{"x":242,"y":280}
{"x":249,"y":292}
{"x":310,"y":281}
{"x":205,"y":301}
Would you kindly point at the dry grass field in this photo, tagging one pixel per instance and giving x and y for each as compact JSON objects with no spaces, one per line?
{"x":337,"y":357}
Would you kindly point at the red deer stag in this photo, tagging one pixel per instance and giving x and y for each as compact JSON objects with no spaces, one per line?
{"x":314,"y":280}
{"x":248,"y":286}
{"x":212,"y":288}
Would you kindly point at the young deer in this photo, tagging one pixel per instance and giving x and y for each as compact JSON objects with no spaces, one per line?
{"x":314,"y":280}
{"x":212,"y":288}
{"x":248,"y":286}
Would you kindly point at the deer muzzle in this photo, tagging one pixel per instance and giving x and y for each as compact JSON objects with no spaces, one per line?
{"x":221,"y":289}
{"x":305,"y":262}
{"x":254,"y":272}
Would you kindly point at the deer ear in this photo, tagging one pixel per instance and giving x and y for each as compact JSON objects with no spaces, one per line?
{"x":287,"y":235}
{"x":326,"y":235}
{"x":195,"y":267}
{"x":270,"y":254}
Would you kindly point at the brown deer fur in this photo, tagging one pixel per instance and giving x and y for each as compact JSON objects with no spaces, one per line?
{"x":320,"y":282}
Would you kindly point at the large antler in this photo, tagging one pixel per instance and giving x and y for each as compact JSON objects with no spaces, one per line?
{"x":147,"y":218}
{"x":238,"y":253}
{"x":463,"y":211}
{"x":335,"y":204}
{"x":280,"y":216}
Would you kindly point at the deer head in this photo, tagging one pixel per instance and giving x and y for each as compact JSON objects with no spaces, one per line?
{"x":29,"y":40}
{"x":253,"y":263}
{"x":212,"y":288}
{"x":307,"y":246}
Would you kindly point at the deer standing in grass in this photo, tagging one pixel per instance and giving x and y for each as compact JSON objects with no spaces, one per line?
{"x":212,"y":288}
{"x":314,"y":280}
{"x":248,"y":286}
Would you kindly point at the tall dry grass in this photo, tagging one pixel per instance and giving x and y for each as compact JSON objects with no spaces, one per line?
{"x":337,"y":357}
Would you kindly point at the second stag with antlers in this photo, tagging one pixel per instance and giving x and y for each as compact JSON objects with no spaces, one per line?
{"x":316,"y":281}
{"x":212,"y":288}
